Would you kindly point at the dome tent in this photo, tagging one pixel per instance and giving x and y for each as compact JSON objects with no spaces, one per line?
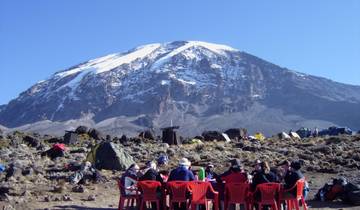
{"x":109,"y":156}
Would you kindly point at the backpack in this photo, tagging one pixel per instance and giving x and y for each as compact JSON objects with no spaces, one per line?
{"x":335,"y":191}
{"x":351,"y":194}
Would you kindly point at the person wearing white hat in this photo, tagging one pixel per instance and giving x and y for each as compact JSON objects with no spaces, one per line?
{"x":182,"y":172}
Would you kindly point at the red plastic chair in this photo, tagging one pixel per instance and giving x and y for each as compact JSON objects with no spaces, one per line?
{"x":237,"y":193}
{"x":131,"y":199}
{"x":269,"y":193}
{"x":178,"y":190}
{"x":149,"y":193}
{"x":199,"y":190}
{"x":294,"y":201}
{"x":235,"y":178}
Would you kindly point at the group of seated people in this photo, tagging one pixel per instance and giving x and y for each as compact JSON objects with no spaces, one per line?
{"x":288,"y":173}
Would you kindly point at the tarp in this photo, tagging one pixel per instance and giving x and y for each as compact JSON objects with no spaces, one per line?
{"x":259,"y":136}
{"x":59,"y":147}
{"x":2,"y":168}
{"x":284,"y":135}
{"x":110,"y":156}
{"x":226,"y":137}
{"x":294,"y":135}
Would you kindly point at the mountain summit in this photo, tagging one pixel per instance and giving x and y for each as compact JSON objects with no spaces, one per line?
{"x":194,"y":84}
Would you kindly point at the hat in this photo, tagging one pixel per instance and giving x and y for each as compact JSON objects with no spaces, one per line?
{"x":295,"y":165}
{"x":257,"y":162}
{"x":235,"y":163}
{"x":163,"y":159}
{"x":151,"y":164}
{"x":210,"y":166}
{"x":184,"y":162}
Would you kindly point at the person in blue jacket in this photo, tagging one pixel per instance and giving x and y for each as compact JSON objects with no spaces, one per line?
{"x":182,"y":172}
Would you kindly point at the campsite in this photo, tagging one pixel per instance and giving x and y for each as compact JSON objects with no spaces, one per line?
{"x":39,"y":182}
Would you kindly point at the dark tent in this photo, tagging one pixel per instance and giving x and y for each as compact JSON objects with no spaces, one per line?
{"x":70,"y":137}
{"x":148,"y":134}
{"x":109,"y":156}
{"x":213,"y":135}
{"x":239,"y":133}
{"x":169,"y":135}
{"x":334,"y":131}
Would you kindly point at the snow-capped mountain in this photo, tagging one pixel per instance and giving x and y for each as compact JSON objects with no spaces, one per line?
{"x":196,"y":85}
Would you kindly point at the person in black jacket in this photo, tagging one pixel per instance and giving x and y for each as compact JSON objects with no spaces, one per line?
{"x":293,"y":176}
{"x":263,"y":175}
{"x":151,"y":173}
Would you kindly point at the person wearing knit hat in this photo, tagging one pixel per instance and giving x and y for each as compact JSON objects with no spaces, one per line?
{"x":151,"y":173}
{"x":182,"y":172}
{"x":234,"y":174}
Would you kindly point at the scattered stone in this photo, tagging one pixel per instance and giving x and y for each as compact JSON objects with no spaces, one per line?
{"x":91,"y":198}
{"x":47,"y":198}
{"x":66,"y":197}
{"x":78,"y":189}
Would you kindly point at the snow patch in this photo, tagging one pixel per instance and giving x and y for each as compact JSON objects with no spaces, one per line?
{"x":215,"y":66}
{"x":216,"y":48}
{"x":186,"y":82}
{"x":165,"y":82}
{"x":109,"y":62}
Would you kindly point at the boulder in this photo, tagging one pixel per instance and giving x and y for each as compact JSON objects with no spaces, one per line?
{"x":148,"y":134}
{"x":31,"y":141}
{"x":124,"y":139}
{"x":95,"y":134}
{"x":55,"y":140}
{"x":82,"y":129}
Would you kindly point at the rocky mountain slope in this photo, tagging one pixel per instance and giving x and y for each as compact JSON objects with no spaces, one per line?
{"x":196,"y":85}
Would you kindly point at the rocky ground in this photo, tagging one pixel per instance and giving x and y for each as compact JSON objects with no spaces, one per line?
{"x":41,"y":183}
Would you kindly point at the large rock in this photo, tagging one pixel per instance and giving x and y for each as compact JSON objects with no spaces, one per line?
{"x":148,"y":134}
{"x":81,"y":129}
{"x":32,"y":141}
{"x":95,"y":134}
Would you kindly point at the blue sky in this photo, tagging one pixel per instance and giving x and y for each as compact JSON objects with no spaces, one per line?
{"x":40,"y":37}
